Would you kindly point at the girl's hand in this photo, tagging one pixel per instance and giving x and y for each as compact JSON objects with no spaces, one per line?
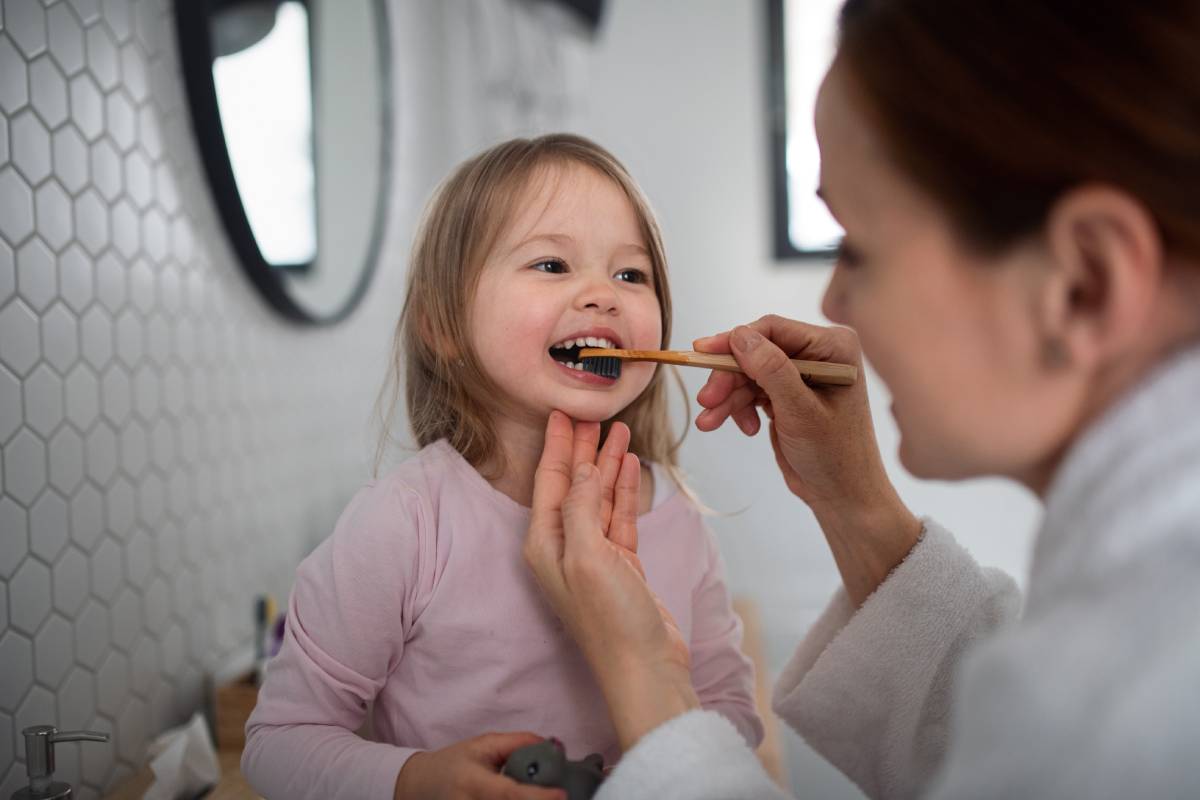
{"x":469,"y":769}
{"x":823,"y":438}
{"x":597,"y":586}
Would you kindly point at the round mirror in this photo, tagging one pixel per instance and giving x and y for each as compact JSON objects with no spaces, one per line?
{"x":290,"y":102}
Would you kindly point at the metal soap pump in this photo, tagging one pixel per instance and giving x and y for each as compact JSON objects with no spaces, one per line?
{"x":39,"y":761}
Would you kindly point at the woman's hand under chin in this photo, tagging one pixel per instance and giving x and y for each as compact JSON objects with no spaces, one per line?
{"x":582,"y":549}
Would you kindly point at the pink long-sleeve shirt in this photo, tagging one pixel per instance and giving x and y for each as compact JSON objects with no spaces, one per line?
{"x":420,"y":608}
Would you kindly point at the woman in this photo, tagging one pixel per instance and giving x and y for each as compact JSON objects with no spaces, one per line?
{"x":1020,"y":188}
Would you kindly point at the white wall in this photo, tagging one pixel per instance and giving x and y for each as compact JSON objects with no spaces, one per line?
{"x":679,"y":94}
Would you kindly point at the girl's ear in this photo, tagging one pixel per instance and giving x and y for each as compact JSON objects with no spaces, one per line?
{"x":1106,"y":270}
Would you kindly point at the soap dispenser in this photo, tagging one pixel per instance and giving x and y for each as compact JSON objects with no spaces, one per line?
{"x":39,"y":761}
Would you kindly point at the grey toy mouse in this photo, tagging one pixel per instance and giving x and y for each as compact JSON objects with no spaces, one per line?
{"x":546,"y":764}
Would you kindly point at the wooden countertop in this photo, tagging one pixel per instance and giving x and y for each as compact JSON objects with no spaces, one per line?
{"x":232,"y":785}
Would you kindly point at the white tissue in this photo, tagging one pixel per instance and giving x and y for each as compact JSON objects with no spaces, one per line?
{"x":184,"y":762}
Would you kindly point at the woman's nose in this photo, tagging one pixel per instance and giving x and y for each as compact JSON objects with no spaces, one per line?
{"x":833,"y":304}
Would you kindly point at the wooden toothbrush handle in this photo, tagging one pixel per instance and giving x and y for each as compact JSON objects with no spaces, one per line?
{"x":816,"y":371}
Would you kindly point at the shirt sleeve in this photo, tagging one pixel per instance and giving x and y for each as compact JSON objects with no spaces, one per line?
{"x":354,"y":600}
{"x":696,"y":756}
{"x":721,"y":673}
{"x":870,"y":689}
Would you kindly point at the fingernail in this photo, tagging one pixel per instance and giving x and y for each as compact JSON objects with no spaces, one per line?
{"x":746,"y":339}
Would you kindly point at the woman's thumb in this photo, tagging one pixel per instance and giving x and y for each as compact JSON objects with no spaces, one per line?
{"x":768,"y":366}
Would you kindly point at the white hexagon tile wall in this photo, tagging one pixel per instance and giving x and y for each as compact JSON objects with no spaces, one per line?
{"x":170,"y":449}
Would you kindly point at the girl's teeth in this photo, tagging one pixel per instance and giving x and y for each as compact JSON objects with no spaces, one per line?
{"x":591,"y":341}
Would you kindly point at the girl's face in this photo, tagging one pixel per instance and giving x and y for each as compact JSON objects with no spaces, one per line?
{"x":571,"y":265}
{"x":954,"y":336}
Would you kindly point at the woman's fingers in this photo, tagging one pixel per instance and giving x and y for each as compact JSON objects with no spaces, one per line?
{"x":587,"y":440}
{"x":609,"y":462}
{"x":745,"y":396}
{"x":622,"y":530}
{"x":552,"y":479}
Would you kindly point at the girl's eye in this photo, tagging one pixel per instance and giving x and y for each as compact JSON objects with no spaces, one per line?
{"x":633,"y":276}
{"x":847,"y":255}
{"x":551,"y":265}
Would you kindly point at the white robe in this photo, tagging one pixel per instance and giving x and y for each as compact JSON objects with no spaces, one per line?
{"x":940,"y":687}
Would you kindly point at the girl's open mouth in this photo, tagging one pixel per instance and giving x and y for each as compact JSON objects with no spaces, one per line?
{"x":566,"y":353}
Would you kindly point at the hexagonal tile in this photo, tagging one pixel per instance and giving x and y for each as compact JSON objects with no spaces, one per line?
{"x":87,"y":517}
{"x":66,"y":460}
{"x":76,"y":699}
{"x":149,"y":132}
{"x":96,"y":334}
{"x":83,"y":396}
{"x":102,"y":58}
{"x":152,"y":500}
{"x":121,"y":512}
{"x":139,"y":557}
{"x":91,"y":221}
{"x":158,"y":340}
{"x":130,"y":339}
{"x":126,"y":616}
{"x":43,"y":400}
{"x":38,"y":708}
{"x":167,"y":193}
{"x":97,"y":758}
{"x":70,"y":158}
{"x":30,"y":143}
{"x":8,"y":755}
{"x":26,"y":24}
{"x":167,"y":546}
{"x":172,"y":651}
{"x":133,"y":70}
{"x":134,"y":449}
{"x":126,"y":228}
{"x":37,"y":281}
{"x":4,"y":149}
{"x":65,"y":36}
{"x":19,"y":341}
{"x":91,"y":634}
{"x":14,"y":545}
{"x":162,"y":445}
{"x":48,"y":91}
{"x":24,"y":466}
{"x":88,"y":10}
{"x":14,"y":78}
{"x":139,"y":179}
{"x":115,"y":395}
{"x":111,"y":282}
{"x":107,"y":574}
{"x":146,"y":392}
{"x":53,"y":653}
{"x":106,"y":169}
{"x":100,"y":454}
{"x":48,"y":526}
{"x":131,"y":731}
{"x":10,"y":403}
{"x":29,"y":596}
{"x":8,"y":270}
{"x":75,"y":278}
{"x":112,"y":683}
{"x":16,"y":205}
{"x":53,"y":215}
{"x":60,"y":338}
{"x":144,"y":665}
{"x":154,"y":235}
{"x":122,"y":122}
{"x":87,"y":106}
{"x":16,"y":654}
{"x":70,"y":579}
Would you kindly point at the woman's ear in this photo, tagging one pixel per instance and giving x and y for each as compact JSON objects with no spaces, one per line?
{"x":1106,"y":261}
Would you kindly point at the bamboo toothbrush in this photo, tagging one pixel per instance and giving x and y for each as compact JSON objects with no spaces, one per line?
{"x":607,"y":362}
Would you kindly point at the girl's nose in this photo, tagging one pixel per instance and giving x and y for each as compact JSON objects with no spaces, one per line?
{"x":598,"y":295}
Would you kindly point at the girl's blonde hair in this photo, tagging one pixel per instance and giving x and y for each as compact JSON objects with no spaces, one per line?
{"x":449,"y":394}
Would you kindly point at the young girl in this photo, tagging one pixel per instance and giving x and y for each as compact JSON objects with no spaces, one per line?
{"x":419,"y":606}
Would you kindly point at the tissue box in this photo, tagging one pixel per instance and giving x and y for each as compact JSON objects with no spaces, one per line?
{"x":232,"y":704}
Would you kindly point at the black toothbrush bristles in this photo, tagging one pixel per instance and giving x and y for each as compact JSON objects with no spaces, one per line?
{"x":604,"y":366}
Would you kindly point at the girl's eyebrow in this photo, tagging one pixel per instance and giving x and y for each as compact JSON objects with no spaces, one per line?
{"x":553,"y":238}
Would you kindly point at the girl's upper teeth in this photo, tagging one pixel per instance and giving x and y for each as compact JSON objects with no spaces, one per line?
{"x":586,"y":341}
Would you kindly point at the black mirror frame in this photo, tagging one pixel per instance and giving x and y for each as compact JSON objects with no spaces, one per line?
{"x":196,"y":61}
